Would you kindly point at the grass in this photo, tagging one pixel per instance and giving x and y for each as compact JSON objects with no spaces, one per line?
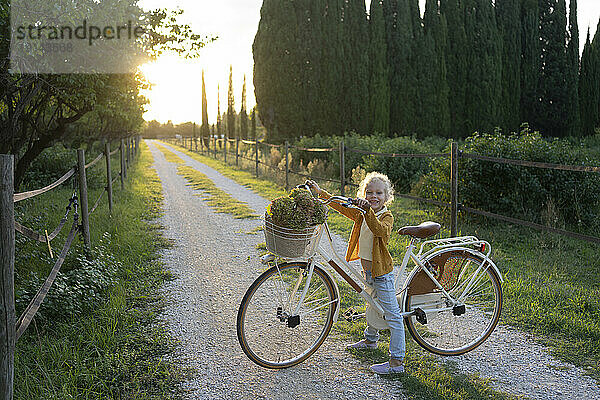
{"x":427,"y":377}
{"x":99,"y":341}
{"x":216,"y":198}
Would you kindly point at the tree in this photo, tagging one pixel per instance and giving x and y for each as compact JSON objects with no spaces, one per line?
{"x":530,"y":59}
{"x":457,"y":63}
{"x":230,"y":106}
{"x":508,"y":14}
{"x":37,"y":111}
{"x":552,"y":111}
{"x":379,"y":88}
{"x":204,"y":129}
{"x":276,"y":86}
{"x":355,"y":76}
{"x":573,"y":72}
{"x":484,"y":60}
{"x":401,"y":39}
{"x":244,"y":114}
{"x":434,"y":111}
{"x":589,"y":87}
{"x":218,"y":112}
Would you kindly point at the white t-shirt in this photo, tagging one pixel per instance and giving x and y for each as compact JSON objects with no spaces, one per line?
{"x":365,"y":239}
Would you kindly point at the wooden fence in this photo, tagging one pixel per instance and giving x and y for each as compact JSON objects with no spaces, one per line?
{"x":12,"y":328}
{"x":217,"y":147}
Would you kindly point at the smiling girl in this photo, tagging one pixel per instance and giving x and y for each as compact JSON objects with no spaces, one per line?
{"x":368,"y":242}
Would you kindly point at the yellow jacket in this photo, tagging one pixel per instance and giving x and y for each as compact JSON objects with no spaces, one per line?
{"x":381,"y":228}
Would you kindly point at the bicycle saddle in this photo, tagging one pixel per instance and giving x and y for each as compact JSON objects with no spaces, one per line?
{"x":421,"y":231}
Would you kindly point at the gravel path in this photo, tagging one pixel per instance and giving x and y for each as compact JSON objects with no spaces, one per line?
{"x":215,"y":260}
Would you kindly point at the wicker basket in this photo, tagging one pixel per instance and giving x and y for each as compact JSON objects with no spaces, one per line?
{"x":290,"y":243}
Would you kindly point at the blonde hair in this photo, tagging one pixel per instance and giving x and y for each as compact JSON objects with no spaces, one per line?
{"x":377,"y":176}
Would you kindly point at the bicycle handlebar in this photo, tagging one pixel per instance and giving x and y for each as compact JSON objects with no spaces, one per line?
{"x":341,"y":200}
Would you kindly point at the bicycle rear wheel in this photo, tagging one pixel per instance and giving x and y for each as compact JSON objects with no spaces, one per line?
{"x":454,"y":330}
{"x":274,"y":329}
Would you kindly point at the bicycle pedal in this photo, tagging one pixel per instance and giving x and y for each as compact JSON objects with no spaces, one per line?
{"x":352,"y":315}
{"x":420,"y":316}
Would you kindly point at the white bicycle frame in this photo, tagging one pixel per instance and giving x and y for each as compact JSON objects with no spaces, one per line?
{"x":324,"y":248}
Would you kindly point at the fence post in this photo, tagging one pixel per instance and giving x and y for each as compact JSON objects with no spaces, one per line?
{"x":237,"y":152}
{"x":215,"y":146}
{"x":256,"y":155}
{"x":108,"y":176}
{"x":225,"y":139}
{"x":83,"y":197}
{"x":342,"y":169}
{"x":127,"y":153}
{"x":453,"y":189}
{"x":123,"y":169}
{"x":7,"y":263}
{"x":287,"y":167}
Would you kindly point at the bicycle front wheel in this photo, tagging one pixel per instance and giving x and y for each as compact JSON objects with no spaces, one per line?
{"x":454,"y":329}
{"x":277,"y":329}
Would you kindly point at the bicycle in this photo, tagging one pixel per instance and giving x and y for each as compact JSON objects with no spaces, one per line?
{"x":451,"y":300}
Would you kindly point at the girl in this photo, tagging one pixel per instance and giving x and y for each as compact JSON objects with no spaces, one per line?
{"x":368,"y":242}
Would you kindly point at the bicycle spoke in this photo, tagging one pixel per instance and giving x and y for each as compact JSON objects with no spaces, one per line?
{"x":450,"y":331}
{"x":269,"y":334}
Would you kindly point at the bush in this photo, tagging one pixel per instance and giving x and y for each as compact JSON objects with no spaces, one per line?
{"x":80,"y":284}
{"x":54,"y":162}
{"x":403,"y":172}
{"x":541,"y":195}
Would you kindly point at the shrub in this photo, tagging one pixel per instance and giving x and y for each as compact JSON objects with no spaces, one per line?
{"x":403,"y":172}
{"x":54,"y":162}
{"x":542,"y":195}
{"x":81,"y":283}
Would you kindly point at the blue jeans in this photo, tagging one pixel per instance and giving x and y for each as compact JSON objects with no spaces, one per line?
{"x":386,"y":294}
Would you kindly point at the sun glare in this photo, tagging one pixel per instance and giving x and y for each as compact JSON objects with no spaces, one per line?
{"x":176,"y":90}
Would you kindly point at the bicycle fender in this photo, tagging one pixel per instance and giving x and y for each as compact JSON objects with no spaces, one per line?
{"x":478,"y":254}
{"x":487,"y":260}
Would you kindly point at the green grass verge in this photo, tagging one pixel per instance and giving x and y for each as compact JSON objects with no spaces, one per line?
{"x":100,"y":342}
{"x":216,"y":198}
{"x":427,"y":378}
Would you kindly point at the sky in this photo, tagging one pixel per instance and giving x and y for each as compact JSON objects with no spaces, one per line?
{"x":176,"y":94}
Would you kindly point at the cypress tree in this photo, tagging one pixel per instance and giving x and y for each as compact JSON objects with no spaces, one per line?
{"x":230,"y":106}
{"x":588,"y":89}
{"x":508,"y":14}
{"x":356,"y":65}
{"x":379,"y":100}
{"x":204,"y":129}
{"x":404,"y":100}
{"x":276,"y":82}
{"x":312,"y":25}
{"x":573,"y":72}
{"x":331,"y":68}
{"x":457,"y":64}
{"x":435,"y":112}
{"x":244,"y":114}
{"x":552,"y":116}
{"x":530,"y":59}
{"x":484,"y":48}
{"x":218,"y":112}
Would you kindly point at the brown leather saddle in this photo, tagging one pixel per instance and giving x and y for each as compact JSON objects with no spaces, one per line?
{"x":421,"y":231}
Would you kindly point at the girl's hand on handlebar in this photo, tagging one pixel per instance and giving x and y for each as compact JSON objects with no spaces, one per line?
{"x":362,"y":203}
